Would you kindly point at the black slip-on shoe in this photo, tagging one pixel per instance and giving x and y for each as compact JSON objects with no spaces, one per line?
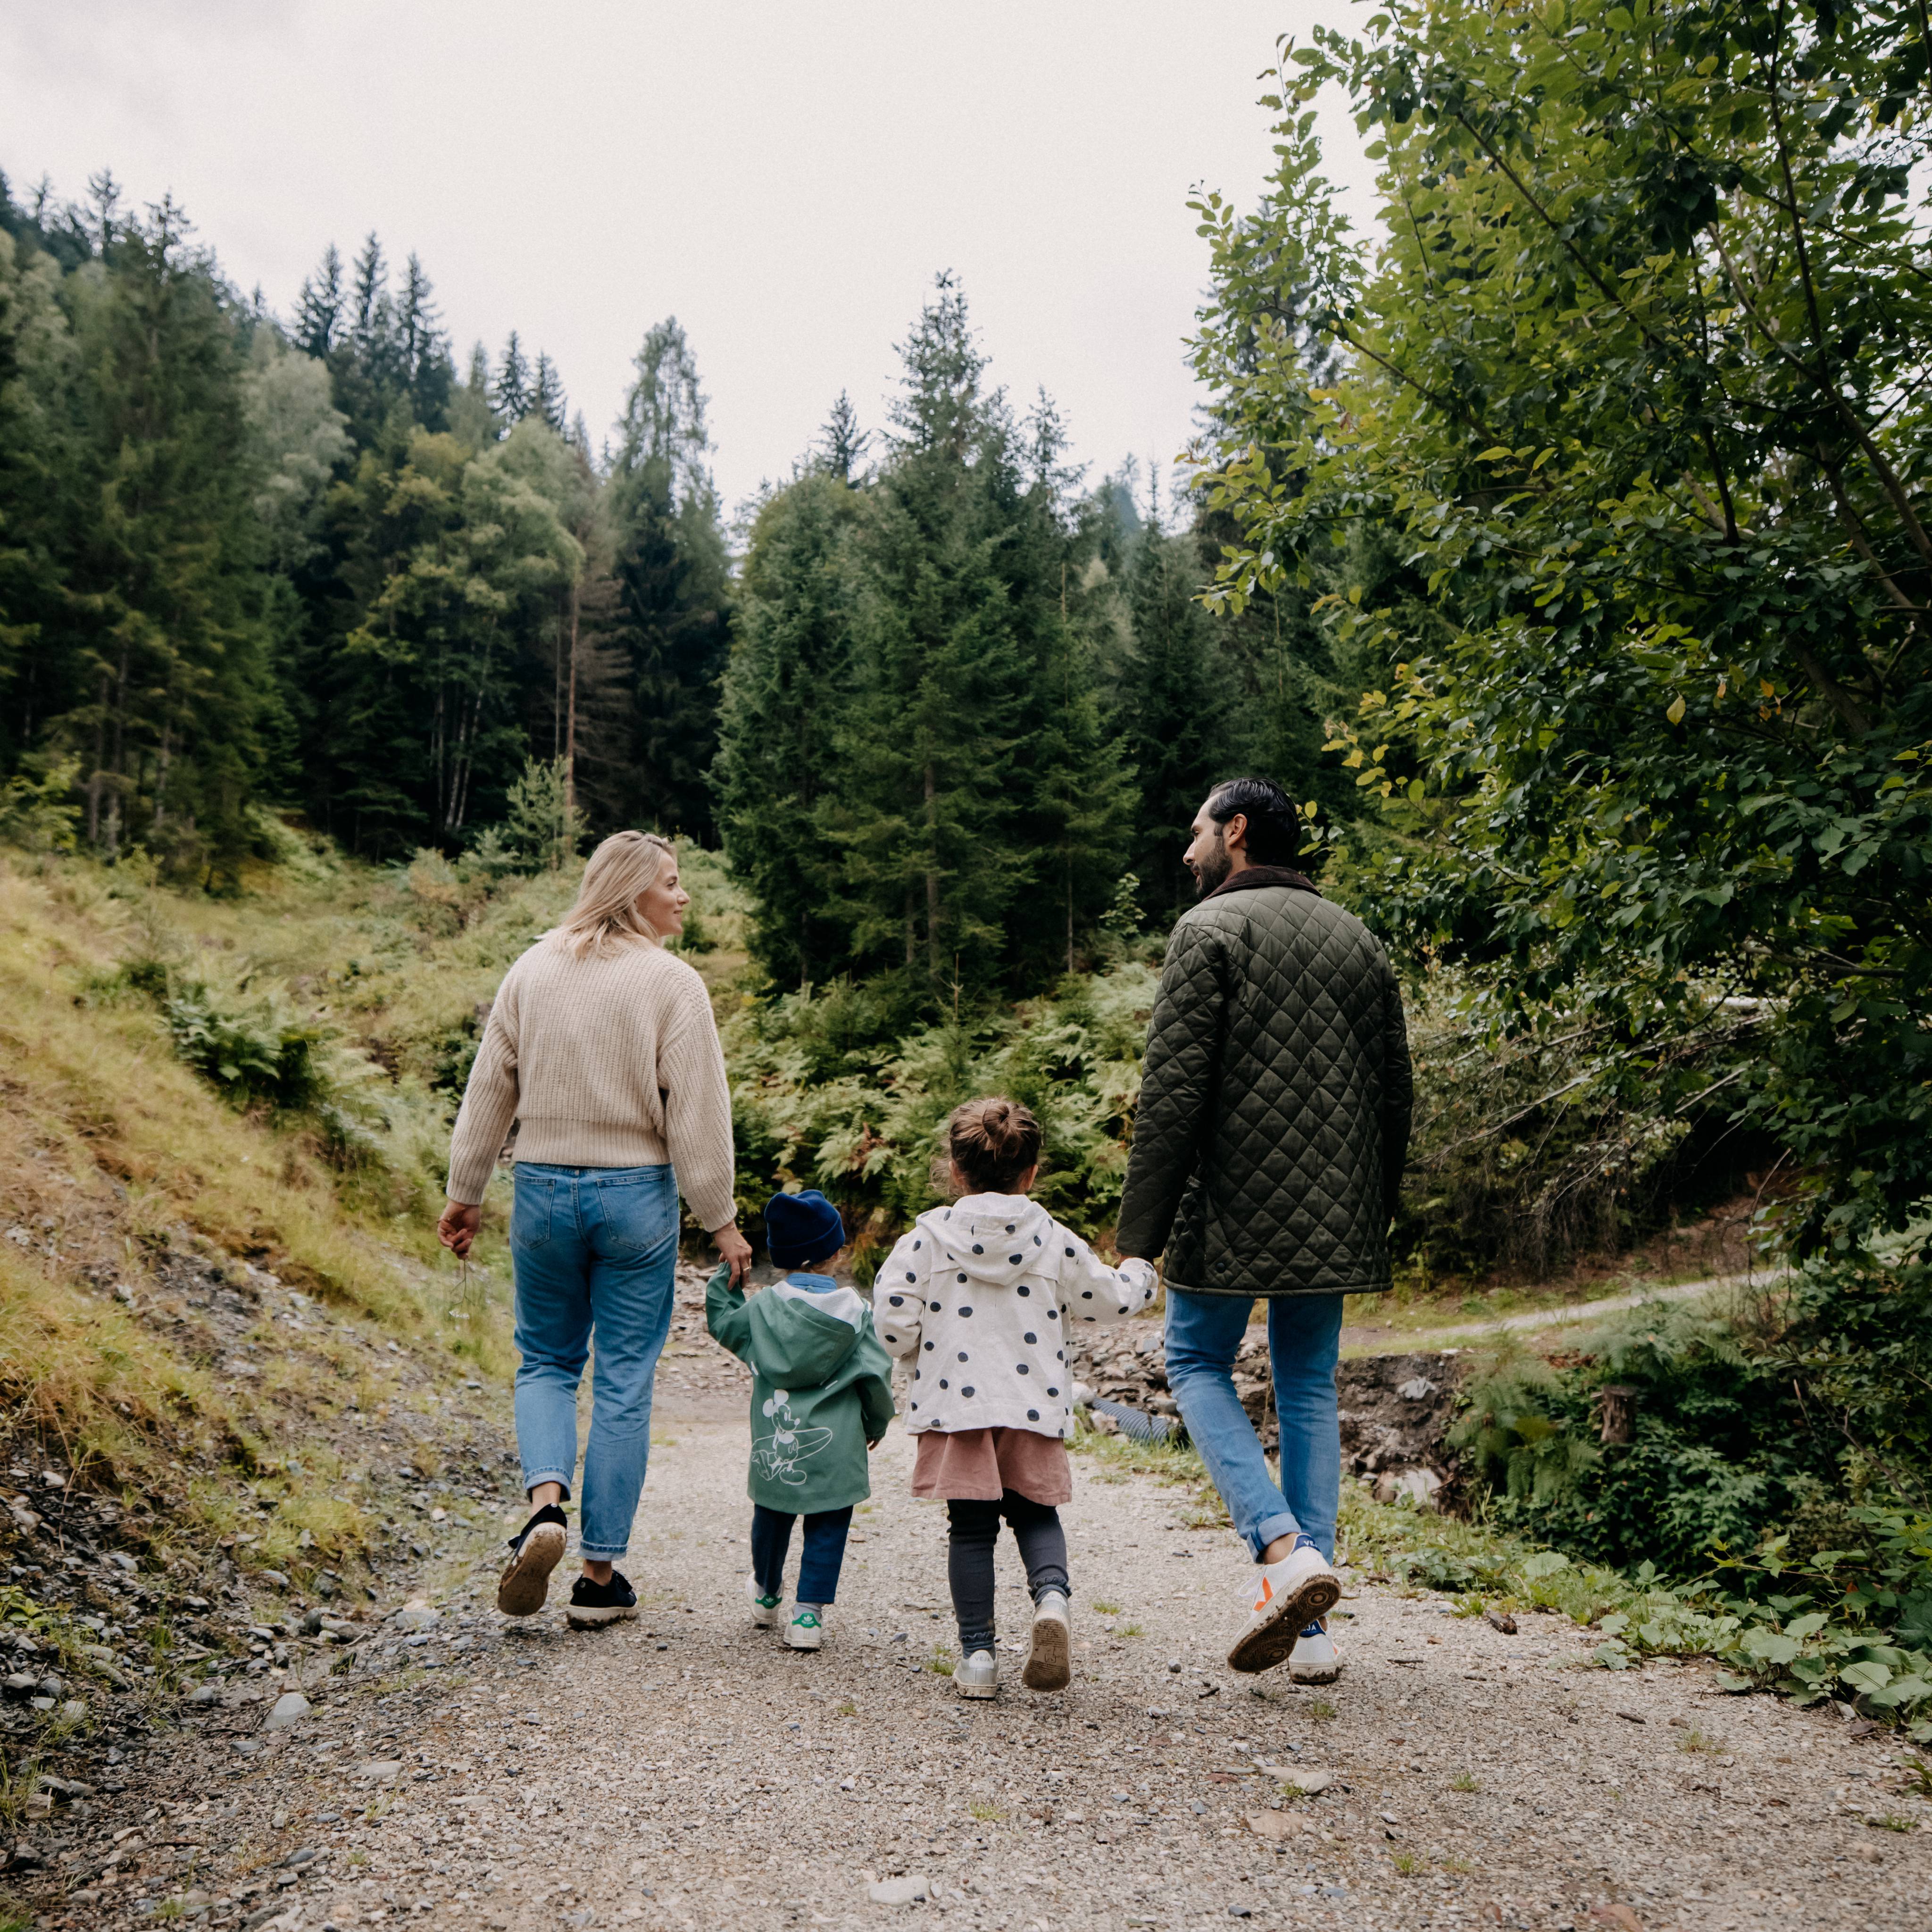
{"x":592,"y":1605}
{"x":535,"y":1550}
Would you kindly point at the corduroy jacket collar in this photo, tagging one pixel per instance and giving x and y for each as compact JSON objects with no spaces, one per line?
{"x":1252,"y":878}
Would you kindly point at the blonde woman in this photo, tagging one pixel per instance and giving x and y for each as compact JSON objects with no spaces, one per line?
{"x":601,"y":1045}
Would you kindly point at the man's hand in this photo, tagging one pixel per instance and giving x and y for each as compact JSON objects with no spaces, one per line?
{"x":457,"y":1228}
{"x":733,"y":1250}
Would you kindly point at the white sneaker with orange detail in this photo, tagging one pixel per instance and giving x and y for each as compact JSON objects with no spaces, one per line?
{"x":1295,"y":1592}
{"x":1314,"y":1659}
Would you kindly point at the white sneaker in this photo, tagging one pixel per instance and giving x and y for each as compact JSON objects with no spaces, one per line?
{"x":1298,"y":1590}
{"x":806,"y":1631}
{"x":977,"y":1675}
{"x":1050,"y":1652}
{"x":764,"y":1609}
{"x":1314,"y":1659}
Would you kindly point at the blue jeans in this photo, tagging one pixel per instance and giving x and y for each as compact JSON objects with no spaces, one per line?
{"x":820,"y":1561}
{"x":1204,"y":1331}
{"x":594,"y":1250}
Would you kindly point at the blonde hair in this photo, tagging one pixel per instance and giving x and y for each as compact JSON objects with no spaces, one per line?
{"x":992,"y":1142}
{"x":605,"y":915}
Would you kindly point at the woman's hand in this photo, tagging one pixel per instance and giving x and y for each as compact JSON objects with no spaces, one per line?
{"x":457,"y":1228}
{"x":733,"y":1250}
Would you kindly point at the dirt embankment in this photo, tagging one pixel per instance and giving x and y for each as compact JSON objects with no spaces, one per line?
{"x":1395,"y":1409}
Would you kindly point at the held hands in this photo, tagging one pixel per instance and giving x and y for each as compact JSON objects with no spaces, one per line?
{"x":457,"y":1228}
{"x":733,"y":1250}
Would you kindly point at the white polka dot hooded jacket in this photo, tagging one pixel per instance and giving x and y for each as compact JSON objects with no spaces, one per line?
{"x":982,"y":1295}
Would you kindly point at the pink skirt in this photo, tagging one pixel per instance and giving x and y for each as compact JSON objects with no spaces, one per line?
{"x":980,"y":1465}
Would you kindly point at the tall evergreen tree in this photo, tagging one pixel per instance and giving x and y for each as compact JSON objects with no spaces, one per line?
{"x":784,"y":692}
{"x":671,"y":613}
{"x":546,"y":397}
{"x":1174,"y":705}
{"x":511,"y":394}
{"x":319,"y":308}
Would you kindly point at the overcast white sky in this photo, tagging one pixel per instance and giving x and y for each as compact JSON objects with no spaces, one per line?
{"x":786,"y":179}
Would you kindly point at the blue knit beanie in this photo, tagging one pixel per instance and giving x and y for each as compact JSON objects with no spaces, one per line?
{"x":802,"y":1229}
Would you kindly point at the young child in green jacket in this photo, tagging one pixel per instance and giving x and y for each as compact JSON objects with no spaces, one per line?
{"x":821,"y":1397}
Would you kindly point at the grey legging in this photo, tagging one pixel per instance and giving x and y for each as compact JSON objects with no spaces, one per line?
{"x":975,"y":1526}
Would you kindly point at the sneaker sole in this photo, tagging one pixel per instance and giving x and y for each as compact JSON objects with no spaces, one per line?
{"x":1268,"y":1644}
{"x":581,"y":1616}
{"x":523,"y":1587}
{"x":1314,"y":1673}
{"x":976,"y":1691}
{"x":1049,"y":1661}
{"x":799,"y":1643}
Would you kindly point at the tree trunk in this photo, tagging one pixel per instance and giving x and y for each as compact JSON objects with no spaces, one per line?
{"x":931,"y":872}
{"x":570,"y":721}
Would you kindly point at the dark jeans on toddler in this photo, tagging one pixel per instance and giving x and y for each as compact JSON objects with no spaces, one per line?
{"x":969,"y":1565}
{"x":819,"y":1561}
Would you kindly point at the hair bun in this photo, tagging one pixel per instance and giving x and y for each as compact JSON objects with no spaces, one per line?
{"x":993,"y":1142}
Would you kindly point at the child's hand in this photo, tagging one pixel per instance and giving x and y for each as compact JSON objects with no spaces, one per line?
{"x":874,"y":1444}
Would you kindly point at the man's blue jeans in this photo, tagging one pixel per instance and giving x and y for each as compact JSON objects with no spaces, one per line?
{"x":1204,"y":1331}
{"x":595,"y":1251}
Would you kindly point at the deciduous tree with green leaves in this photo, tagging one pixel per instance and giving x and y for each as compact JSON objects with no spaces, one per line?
{"x":1636,"y":371}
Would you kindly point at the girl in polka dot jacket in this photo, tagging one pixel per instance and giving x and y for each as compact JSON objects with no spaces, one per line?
{"x":981,"y":1295}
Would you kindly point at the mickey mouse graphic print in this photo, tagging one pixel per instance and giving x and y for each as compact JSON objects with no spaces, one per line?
{"x":779,"y":1457}
{"x":981,"y":1296}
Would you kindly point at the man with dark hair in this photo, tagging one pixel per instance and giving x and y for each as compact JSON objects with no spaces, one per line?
{"x":1269,"y":1142}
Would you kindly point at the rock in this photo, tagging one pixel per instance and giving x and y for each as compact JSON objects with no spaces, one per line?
{"x":1418,"y":1388}
{"x":379,"y":1771}
{"x":1500,"y":1620}
{"x":1274,"y":1826}
{"x":40,"y":1805}
{"x":290,"y":1709}
{"x":23,"y":1685}
{"x":1418,"y":1486}
{"x":415,"y":1617}
{"x":1307,"y":1782}
{"x":311,"y":1624}
{"x":898,"y":1892}
{"x":121,"y":1560}
{"x":1633,"y":1717}
{"x":275,"y":1579}
{"x":202,"y":1695}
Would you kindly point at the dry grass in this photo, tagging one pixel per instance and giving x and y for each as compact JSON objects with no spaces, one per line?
{"x":120,"y":1168}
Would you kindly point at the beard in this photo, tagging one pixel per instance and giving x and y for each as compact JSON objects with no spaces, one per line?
{"x":1211,"y":869}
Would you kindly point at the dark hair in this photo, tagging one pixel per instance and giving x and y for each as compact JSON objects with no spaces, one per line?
{"x":1274,"y":826}
{"x":992,"y":1143}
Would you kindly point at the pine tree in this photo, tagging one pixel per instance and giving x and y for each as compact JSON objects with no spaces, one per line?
{"x":319,"y":306}
{"x":511,"y":396}
{"x":546,"y":397}
{"x":424,"y":349}
{"x":932,"y":747}
{"x":671,"y":584}
{"x":842,"y":443}
{"x":1173,"y":719}
{"x":784,"y":692}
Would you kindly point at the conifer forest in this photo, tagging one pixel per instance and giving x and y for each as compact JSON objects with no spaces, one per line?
{"x":1560,"y":539}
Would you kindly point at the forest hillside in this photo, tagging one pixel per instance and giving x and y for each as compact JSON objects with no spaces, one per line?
{"x":1561,"y":545}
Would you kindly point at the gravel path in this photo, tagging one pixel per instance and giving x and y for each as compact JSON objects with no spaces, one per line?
{"x":1358,"y":1337}
{"x":686,"y":1771}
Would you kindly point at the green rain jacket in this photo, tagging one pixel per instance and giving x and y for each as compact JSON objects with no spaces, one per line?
{"x":821,"y":1389}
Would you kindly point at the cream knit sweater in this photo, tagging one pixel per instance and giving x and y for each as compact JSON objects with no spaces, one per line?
{"x":604,"y":1062}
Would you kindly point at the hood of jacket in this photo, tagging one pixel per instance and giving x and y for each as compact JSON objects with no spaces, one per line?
{"x":993,"y":1240}
{"x":799,"y":1339}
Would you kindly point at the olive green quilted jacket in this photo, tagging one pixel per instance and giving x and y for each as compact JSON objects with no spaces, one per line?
{"x":1275,"y":1099}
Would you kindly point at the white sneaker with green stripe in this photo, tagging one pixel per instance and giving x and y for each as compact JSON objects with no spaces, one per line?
{"x":764,"y":1609}
{"x":806,"y":1631}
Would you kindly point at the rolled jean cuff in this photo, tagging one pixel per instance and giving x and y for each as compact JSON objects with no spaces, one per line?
{"x":1268,"y":1529}
{"x":593,"y":1553}
{"x":534,"y":1477}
